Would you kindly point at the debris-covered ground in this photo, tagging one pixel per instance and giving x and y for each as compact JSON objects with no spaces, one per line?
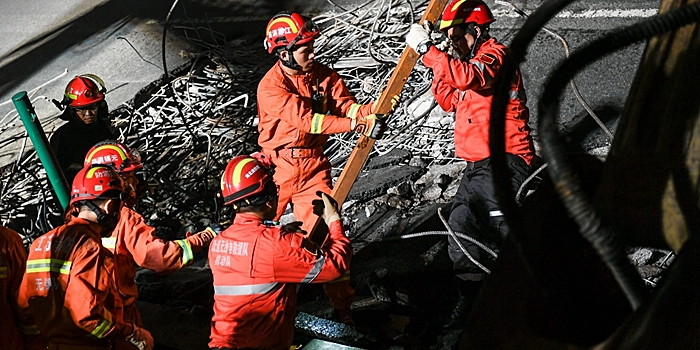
{"x":188,"y":125}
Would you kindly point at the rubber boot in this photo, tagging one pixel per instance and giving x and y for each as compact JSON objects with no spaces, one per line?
{"x":341,"y":296}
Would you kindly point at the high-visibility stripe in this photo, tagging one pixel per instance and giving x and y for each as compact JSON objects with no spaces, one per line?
{"x":109,"y":242}
{"x":352,"y":112}
{"x":187,"y":254}
{"x":493,"y":213}
{"x":479,"y":65}
{"x":447,"y":24}
{"x":317,"y":123}
{"x":29,"y":330}
{"x":3,"y":272}
{"x":49,"y":265}
{"x":316,"y":270}
{"x":121,"y":153}
{"x":104,"y":326}
{"x":517,"y":95}
{"x":238,"y":171}
{"x":246,"y":289}
{"x":287,"y":21}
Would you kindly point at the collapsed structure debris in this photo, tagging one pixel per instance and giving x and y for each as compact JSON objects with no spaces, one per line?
{"x":188,"y":128}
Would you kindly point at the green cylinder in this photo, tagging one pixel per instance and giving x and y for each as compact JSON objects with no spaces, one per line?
{"x":41,"y":145}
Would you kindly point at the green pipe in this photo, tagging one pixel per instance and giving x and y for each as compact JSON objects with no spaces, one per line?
{"x":41,"y":145}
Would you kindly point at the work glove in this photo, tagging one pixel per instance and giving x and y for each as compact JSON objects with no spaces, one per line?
{"x":201,"y":238}
{"x":372,"y":125}
{"x":141,"y":339}
{"x":294,"y":226}
{"x":417,"y":35}
{"x":326,"y":208}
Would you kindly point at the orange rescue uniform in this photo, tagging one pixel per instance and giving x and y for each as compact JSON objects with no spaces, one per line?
{"x":466,"y":88}
{"x":256,"y":270}
{"x":133,"y":242}
{"x":292,"y":135}
{"x":15,"y":328}
{"x":68,"y":288}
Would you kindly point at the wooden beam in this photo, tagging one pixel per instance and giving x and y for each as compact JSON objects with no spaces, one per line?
{"x":360,"y":153}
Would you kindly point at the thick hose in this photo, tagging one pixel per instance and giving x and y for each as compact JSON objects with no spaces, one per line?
{"x":604,"y":240}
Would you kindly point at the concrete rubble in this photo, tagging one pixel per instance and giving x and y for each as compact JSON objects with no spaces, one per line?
{"x":187,"y":132}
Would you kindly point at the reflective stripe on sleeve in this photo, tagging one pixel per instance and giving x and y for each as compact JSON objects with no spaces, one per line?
{"x":316,"y":269}
{"x":246,"y":289}
{"x":187,"y":254}
{"x":104,"y":326}
{"x":49,"y":265}
{"x":317,"y":123}
{"x":109,"y":242}
{"x":517,"y":94}
{"x":352,"y":111}
{"x":495,"y":213}
{"x":3,"y":272}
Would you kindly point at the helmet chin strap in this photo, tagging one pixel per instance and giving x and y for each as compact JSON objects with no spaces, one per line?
{"x":290,"y":62}
{"x":107,"y":221}
{"x":477,"y":38}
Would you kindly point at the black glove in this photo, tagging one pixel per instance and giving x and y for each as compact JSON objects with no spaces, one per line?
{"x":326,"y":208}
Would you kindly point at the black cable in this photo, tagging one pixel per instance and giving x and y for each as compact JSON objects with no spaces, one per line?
{"x":608,"y":244}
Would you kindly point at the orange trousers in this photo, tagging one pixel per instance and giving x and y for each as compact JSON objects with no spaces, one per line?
{"x":298,"y":180}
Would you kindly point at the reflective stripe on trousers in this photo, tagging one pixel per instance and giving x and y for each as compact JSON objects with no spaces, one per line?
{"x":246,"y":289}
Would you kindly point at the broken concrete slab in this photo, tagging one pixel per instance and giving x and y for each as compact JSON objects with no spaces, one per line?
{"x":375,"y":182}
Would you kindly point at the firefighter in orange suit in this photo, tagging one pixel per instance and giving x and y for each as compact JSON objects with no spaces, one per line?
{"x":16,"y":330}
{"x":133,"y":241}
{"x":300,"y":103}
{"x":258,"y":264}
{"x":463,"y":84}
{"x":67,"y":287}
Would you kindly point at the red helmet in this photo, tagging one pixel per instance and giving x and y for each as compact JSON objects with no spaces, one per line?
{"x":96,"y":182}
{"x":465,"y":11}
{"x":84,"y":90}
{"x":115,"y":154}
{"x":244,"y":176}
{"x":289,"y":29}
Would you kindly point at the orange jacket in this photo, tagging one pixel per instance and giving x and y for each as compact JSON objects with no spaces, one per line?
{"x":14,"y":325}
{"x":466,"y":87}
{"x":133,"y":241}
{"x":256,"y":270}
{"x":286,"y":119}
{"x":68,"y":290}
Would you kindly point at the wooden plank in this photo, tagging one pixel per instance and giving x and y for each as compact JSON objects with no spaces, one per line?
{"x":364,"y":145}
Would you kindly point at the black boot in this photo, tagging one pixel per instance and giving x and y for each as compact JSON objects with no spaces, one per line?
{"x":466,"y":294}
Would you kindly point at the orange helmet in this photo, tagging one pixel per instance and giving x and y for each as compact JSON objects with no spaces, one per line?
{"x":84,"y":90}
{"x":115,"y":154}
{"x":289,"y":29}
{"x":96,"y":182}
{"x":244,"y":177}
{"x":465,"y":11}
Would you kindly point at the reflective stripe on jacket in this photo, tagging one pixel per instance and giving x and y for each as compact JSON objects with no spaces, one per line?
{"x":466,"y":89}
{"x":68,"y":288}
{"x":256,"y":269}
{"x":133,"y":241}
{"x":286,"y":119}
